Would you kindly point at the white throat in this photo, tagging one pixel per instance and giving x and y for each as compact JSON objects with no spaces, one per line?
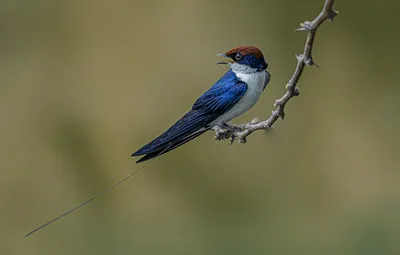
{"x":256,"y":82}
{"x":239,"y":68}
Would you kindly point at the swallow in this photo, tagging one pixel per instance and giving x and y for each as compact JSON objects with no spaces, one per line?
{"x":237,"y":91}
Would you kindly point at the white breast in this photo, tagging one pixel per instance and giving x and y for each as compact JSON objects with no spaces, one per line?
{"x":255,"y":85}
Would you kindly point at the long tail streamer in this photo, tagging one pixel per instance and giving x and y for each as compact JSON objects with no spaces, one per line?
{"x":94,"y":197}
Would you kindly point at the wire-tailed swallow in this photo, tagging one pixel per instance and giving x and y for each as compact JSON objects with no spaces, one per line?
{"x":232,"y":95}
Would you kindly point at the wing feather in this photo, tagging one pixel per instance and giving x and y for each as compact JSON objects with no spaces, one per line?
{"x":219,"y":99}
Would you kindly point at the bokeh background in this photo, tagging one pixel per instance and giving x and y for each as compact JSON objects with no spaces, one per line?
{"x":86,"y":83}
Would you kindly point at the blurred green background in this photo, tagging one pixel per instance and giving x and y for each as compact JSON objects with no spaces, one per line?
{"x":86,"y":83}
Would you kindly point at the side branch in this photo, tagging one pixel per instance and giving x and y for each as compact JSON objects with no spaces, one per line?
{"x":242,"y":131}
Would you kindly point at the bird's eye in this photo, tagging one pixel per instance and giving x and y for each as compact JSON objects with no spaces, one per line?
{"x":238,"y":56}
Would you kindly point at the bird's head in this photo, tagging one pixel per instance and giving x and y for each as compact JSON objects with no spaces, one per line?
{"x":245,"y":58}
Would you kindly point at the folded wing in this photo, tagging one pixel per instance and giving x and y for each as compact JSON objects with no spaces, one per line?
{"x":216,"y":101}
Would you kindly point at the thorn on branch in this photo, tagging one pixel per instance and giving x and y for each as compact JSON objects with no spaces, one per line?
{"x":331,"y":14}
{"x":255,"y":120}
{"x":296,"y":92}
{"x":281,"y":113}
{"x":309,"y":61}
{"x":306,"y":26}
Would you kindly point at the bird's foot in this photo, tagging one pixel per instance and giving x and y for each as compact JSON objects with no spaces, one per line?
{"x":227,"y":131}
{"x":231,"y":127}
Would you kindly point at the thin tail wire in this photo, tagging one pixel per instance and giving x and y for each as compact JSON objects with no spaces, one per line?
{"x":94,"y":197}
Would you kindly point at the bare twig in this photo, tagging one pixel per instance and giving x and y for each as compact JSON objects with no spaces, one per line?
{"x":242,"y":131}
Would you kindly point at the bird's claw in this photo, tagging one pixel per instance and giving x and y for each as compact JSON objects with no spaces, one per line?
{"x":233,"y":137}
{"x":227,"y":131}
{"x":231,"y":128}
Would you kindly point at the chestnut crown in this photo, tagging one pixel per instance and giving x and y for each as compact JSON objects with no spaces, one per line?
{"x":248,"y":55}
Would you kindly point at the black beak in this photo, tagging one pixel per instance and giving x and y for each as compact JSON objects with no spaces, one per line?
{"x":224,"y":62}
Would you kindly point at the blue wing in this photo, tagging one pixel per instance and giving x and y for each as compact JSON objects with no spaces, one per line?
{"x":219,"y":99}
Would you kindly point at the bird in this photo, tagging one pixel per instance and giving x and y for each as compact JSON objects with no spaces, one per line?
{"x":233,"y":94}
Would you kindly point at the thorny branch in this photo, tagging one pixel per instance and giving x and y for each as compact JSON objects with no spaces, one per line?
{"x":242,"y":131}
